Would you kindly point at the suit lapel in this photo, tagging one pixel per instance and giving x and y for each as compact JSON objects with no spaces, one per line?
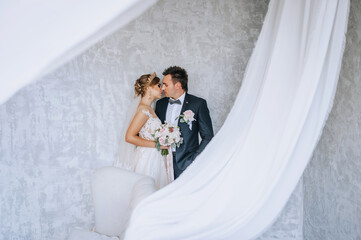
{"x":185,"y":105}
{"x":164,"y":112}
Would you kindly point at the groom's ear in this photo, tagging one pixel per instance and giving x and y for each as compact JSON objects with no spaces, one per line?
{"x":178,"y":85}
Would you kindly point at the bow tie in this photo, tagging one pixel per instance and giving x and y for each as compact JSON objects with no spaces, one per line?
{"x":171,"y":101}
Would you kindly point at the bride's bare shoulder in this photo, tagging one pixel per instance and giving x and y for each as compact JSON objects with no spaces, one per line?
{"x":143,"y":109}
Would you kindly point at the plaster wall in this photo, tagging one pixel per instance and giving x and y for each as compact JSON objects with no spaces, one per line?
{"x":332,"y":181}
{"x":56,"y":132}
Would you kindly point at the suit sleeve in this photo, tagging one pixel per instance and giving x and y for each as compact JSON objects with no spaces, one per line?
{"x":205,"y":128}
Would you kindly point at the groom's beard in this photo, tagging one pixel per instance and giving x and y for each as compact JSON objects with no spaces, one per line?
{"x":165,"y":94}
{"x":169,"y":95}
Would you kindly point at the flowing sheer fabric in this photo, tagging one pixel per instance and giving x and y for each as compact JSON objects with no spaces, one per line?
{"x":126,"y":155}
{"x":39,"y":36}
{"x":239,"y":184}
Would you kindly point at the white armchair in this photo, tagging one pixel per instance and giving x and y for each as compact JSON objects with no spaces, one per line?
{"x":115,"y":194}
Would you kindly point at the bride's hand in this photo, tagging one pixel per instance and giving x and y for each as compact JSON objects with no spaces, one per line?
{"x":165,"y":147}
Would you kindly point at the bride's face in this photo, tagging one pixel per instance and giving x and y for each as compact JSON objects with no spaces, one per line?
{"x":155,"y":91}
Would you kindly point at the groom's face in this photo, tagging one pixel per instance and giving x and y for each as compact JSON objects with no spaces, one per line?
{"x":168,"y":87}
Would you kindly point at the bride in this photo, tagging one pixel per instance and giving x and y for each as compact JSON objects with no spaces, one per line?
{"x":138,"y":150}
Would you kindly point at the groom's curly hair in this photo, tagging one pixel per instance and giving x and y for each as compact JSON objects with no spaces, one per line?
{"x":178,"y":75}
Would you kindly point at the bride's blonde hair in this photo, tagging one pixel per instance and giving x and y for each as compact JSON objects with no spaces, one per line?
{"x":143,"y":82}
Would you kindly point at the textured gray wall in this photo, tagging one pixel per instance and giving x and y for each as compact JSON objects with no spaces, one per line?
{"x":332,"y":181}
{"x":55,"y":132}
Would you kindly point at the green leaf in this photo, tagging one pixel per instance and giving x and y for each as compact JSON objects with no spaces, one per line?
{"x":164,"y":152}
{"x":157,"y":145}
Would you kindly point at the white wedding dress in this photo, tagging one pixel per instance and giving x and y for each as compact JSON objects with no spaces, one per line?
{"x":149,"y":161}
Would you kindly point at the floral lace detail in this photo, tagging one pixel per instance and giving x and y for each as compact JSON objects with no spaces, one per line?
{"x":149,"y":161}
{"x":152,"y":124}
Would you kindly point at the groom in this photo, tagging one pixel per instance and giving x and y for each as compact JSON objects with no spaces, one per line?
{"x":176,"y":103}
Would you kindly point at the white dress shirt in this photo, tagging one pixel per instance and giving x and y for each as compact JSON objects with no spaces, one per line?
{"x":173,"y":111}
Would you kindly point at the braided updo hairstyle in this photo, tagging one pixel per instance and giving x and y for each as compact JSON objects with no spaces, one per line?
{"x":143,"y":82}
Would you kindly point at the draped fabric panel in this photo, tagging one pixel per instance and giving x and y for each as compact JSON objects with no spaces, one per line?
{"x":39,"y":36}
{"x":237,"y":187}
{"x":240,"y":183}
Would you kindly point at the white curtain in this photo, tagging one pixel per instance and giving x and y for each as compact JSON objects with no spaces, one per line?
{"x":240,"y":183}
{"x":38,"y":36}
{"x":237,"y":187}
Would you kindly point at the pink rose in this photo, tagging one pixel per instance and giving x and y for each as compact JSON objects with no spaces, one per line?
{"x":188,"y":115}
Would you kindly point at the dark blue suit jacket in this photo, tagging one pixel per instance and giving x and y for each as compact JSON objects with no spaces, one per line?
{"x":190,"y":148}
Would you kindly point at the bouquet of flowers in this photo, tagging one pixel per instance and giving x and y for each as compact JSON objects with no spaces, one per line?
{"x":167,"y":135}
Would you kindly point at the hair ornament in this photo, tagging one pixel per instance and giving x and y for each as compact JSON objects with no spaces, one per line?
{"x":151,"y":77}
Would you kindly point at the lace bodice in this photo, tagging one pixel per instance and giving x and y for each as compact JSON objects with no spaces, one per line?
{"x":152,"y":124}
